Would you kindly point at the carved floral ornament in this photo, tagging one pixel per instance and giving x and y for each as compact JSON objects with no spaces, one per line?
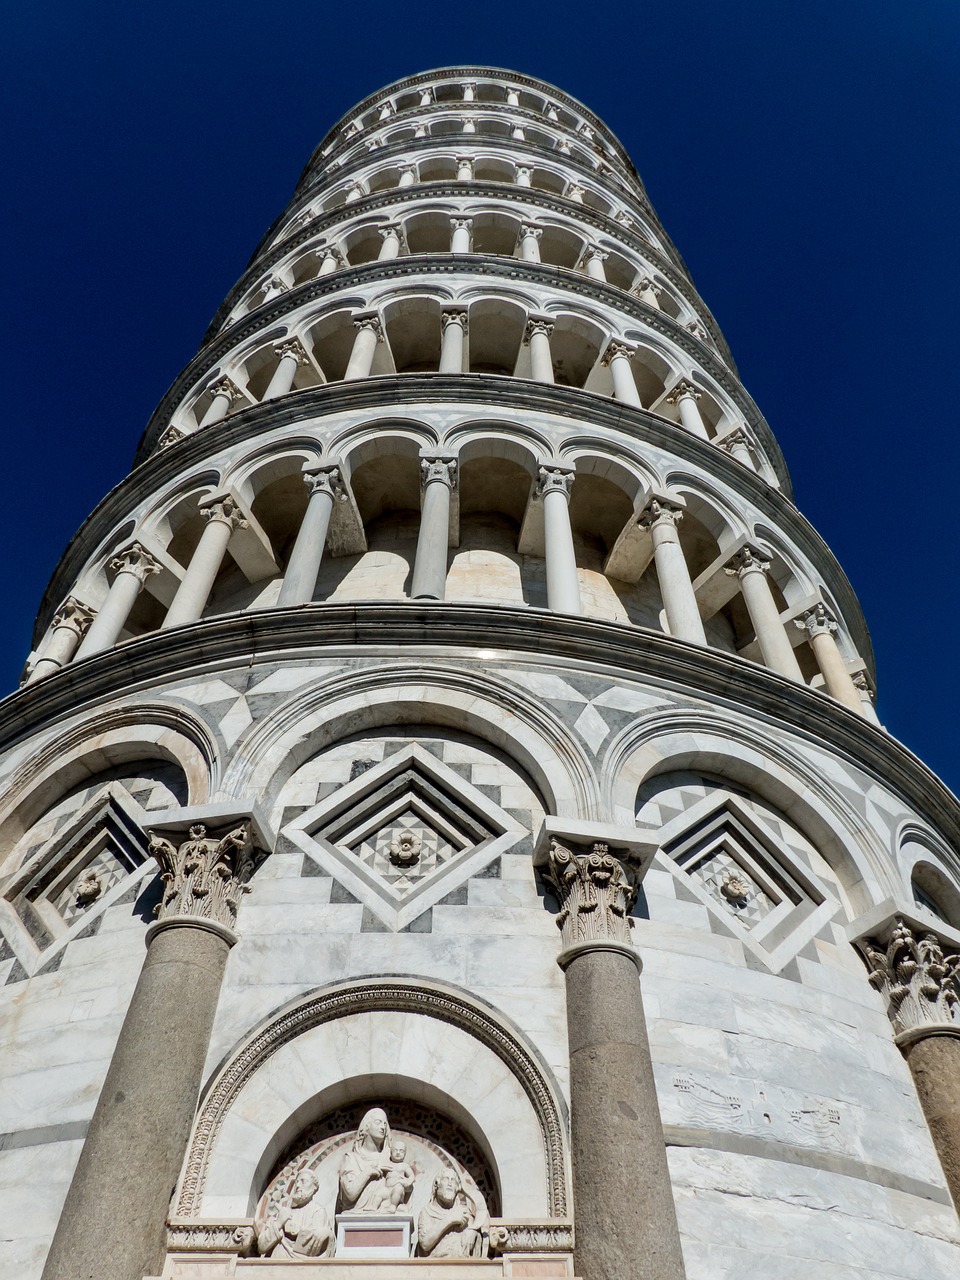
{"x":204,"y":875}
{"x":918,"y":978}
{"x":595,"y":891}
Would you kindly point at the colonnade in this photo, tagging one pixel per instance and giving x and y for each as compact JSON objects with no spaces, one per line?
{"x":78,"y":631}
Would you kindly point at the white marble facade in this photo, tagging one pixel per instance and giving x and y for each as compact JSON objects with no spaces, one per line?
{"x":401,"y":754}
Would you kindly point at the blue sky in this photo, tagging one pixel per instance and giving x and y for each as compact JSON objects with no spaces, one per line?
{"x":802,"y":157}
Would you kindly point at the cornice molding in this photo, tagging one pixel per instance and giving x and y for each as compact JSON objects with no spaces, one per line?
{"x":381,"y":627}
{"x":507,"y":394}
{"x":488,"y":266}
{"x":264,"y":259}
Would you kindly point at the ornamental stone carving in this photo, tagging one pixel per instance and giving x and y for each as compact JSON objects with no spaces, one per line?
{"x":327,"y":480}
{"x":448,"y":1225}
{"x":302,"y":1227}
{"x":659,"y":511}
{"x":817,"y":621}
{"x":683,"y":388}
{"x":226,"y":511}
{"x":363,"y":1167}
{"x":136,"y":560}
{"x":747,"y":559}
{"x":204,"y":876}
{"x":438,"y":469}
{"x":75,"y":615}
{"x":558,"y":479}
{"x":919,"y":980}
{"x":595,"y":894}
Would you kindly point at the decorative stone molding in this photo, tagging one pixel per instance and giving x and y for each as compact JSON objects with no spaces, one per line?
{"x":530,"y":1237}
{"x":135,"y":559}
{"x":204,"y":876}
{"x":372,"y":997}
{"x":919,"y":979}
{"x":596,"y":893}
{"x":202,"y":1236}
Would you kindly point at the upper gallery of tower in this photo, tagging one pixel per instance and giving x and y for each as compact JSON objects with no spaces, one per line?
{"x":465,"y":363}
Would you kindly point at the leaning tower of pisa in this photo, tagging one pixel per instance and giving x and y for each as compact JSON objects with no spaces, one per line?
{"x":452,"y":652}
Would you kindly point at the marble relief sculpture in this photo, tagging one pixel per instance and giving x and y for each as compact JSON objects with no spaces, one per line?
{"x":370,"y":1181}
{"x":448,"y":1226}
{"x":302,"y":1228}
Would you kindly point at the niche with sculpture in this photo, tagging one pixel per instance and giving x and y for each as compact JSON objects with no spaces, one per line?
{"x":399,"y":1160}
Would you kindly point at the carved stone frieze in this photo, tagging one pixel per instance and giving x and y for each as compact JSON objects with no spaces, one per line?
{"x":205,"y":875}
{"x":918,"y":978}
{"x":595,"y":892}
{"x":531,"y":1237}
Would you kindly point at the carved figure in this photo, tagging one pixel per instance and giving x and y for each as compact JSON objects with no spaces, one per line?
{"x":595,"y":894}
{"x":448,"y":1226}
{"x":398,"y":1178}
{"x":204,"y":876}
{"x":364,"y":1166}
{"x":302,"y":1228}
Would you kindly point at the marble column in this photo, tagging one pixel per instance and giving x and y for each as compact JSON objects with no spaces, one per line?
{"x":518,"y":133}
{"x":330,"y":260}
{"x":392,"y":238}
{"x":113,"y":1225}
{"x":369,"y":333}
{"x":537,"y":334}
{"x":676,"y":588}
{"x":130,"y":568}
{"x":469,"y":125}
{"x":513,"y":98}
{"x":225,"y":392}
{"x":438,"y":477}
{"x":524,"y":176}
{"x":919,"y":978}
{"x":618,"y":356}
{"x":575,"y":193}
{"x":426,"y":97}
{"x":685,"y":396}
{"x":593,"y":260}
{"x":274,"y":287}
{"x":563,"y":587}
{"x":528,"y":242}
{"x":460,"y":229}
{"x":70,"y":624}
{"x":469,"y":92}
{"x":300,"y":578}
{"x":223,"y":517}
{"x":865,"y":690}
{"x":626,"y":1223}
{"x":453,"y":324}
{"x":647,"y":291}
{"x":292,"y":357}
{"x":464,"y":168}
{"x":821,"y":628}
{"x":408,"y":175}
{"x":737,"y":444}
{"x":751,"y":568}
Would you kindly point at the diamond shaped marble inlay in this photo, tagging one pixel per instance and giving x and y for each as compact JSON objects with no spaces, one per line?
{"x":404,"y":833}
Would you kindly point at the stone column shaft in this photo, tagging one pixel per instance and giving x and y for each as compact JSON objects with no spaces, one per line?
{"x":624,"y":384}
{"x":460,"y":234}
{"x":934,"y":1062}
{"x":390,"y":248}
{"x":530,"y":243}
{"x":676,"y":588}
{"x":563,"y":587}
{"x":430,"y":567}
{"x":593,"y":264}
{"x":685,"y":397}
{"x":541,"y":360}
{"x":194,"y":590}
{"x":454,"y":324}
{"x":224,"y":394}
{"x":648,"y":292}
{"x":776,"y":649}
{"x":70,"y":624}
{"x":369,"y":333}
{"x":626,"y":1226}
{"x":408,"y":176}
{"x":331,"y":260}
{"x":820,"y":628}
{"x":131,"y":567}
{"x":292,"y":356}
{"x":300,"y":578}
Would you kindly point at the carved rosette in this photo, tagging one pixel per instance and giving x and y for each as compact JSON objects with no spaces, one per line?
{"x":919,"y":980}
{"x":205,"y":875}
{"x":595,"y":891}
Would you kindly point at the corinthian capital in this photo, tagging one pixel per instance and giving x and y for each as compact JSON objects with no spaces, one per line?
{"x":292,"y":348}
{"x":135,"y":559}
{"x":225,"y":510}
{"x":226,"y":387}
{"x":204,"y":875}
{"x":660,"y":511}
{"x":453,"y":315}
{"x":439,"y":468}
{"x":683,"y":388}
{"x":595,"y":893}
{"x":919,"y":980}
{"x":647,"y":285}
{"x":369,"y":320}
{"x":555,"y":478}
{"x":327,"y":480}
{"x":74,"y":615}
{"x":748,"y":559}
{"x":169,"y":437}
{"x":538,"y":324}
{"x":817,"y":621}
{"x":618,"y":347}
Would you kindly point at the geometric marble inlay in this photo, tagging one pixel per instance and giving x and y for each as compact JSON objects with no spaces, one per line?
{"x":405,"y":833}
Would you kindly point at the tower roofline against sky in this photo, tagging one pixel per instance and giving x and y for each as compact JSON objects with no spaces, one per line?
{"x":446,"y":820}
